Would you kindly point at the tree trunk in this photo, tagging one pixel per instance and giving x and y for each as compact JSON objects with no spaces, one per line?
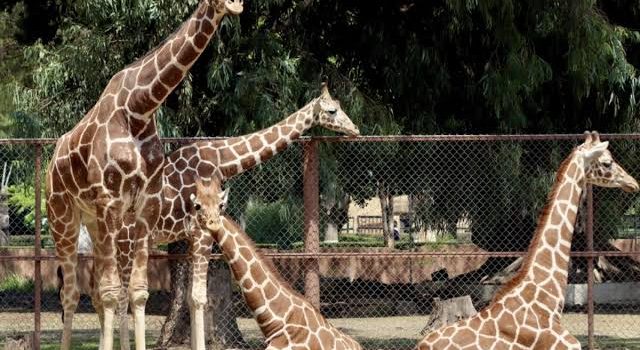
{"x":221,"y":329}
{"x":175,"y":330}
{"x":448,"y":311}
{"x":386,"y":205}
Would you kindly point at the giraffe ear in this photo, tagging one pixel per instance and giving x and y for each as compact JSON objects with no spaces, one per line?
{"x":596,"y":151}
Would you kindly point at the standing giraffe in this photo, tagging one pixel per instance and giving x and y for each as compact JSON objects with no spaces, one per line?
{"x":107,"y":173}
{"x":224,"y":159}
{"x":286,"y":318}
{"x":526,"y":312}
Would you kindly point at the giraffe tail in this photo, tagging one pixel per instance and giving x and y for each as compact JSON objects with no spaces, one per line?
{"x":60,"y":286}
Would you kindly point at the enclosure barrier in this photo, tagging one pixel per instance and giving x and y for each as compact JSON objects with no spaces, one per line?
{"x":464,"y":208}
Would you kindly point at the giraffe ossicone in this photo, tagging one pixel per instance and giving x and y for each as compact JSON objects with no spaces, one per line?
{"x":286,"y":318}
{"x":526,"y":312}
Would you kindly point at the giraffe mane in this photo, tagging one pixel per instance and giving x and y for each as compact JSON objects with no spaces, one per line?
{"x":542,"y":219}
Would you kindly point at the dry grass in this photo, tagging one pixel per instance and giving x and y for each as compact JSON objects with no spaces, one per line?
{"x":613,"y":331}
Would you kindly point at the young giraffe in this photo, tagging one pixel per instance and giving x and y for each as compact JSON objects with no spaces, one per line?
{"x":107,"y":173}
{"x":286,"y":319}
{"x":225,"y":159}
{"x":526,"y":312}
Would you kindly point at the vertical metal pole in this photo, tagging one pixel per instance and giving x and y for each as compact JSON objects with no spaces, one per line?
{"x":37,"y":268}
{"x":311,"y":199}
{"x":589,"y":232}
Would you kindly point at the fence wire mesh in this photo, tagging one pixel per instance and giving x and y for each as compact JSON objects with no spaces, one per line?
{"x":396,"y":223}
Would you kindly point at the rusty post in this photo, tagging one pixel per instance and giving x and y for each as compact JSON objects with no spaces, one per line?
{"x":37,"y":268}
{"x":589,"y":232}
{"x":311,"y":199}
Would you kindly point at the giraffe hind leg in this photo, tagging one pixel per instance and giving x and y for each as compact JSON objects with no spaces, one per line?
{"x":64,"y":225}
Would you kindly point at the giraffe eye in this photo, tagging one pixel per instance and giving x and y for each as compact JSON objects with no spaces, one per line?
{"x":197,"y":206}
{"x":332,"y":111}
{"x":607,"y":164}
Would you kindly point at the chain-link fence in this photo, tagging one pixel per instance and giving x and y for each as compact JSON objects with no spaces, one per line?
{"x":369,"y":229}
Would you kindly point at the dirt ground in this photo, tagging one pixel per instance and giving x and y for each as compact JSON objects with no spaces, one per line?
{"x":612,"y":331}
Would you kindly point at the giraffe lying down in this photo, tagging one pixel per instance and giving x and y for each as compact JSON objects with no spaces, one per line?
{"x":286,"y":319}
{"x":526,"y":312}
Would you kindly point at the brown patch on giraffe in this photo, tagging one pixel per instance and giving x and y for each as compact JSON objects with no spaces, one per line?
{"x":489,"y":328}
{"x":464,"y":337}
{"x":281,"y":145}
{"x":528,"y":292}
{"x":80,"y":173}
{"x":114,"y":84}
{"x":171,"y":75}
{"x":164,"y":56}
{"x":153,"y":154}
{"x":255,"y":143}
{"x":270,"y":290}
{"x":543,"y":316}
{"x":550,"y":287}
{"x":67,"y":180}
{"x":325,"y":337}
{"x":187,"y":55}
{"x":176,"y":45}
{"x":448,"y":331}
{"x":132,"y":184}
{"x":296,"y":316}
{"x":501,"y":345}
{"x":200,"y":41}
{"x":120,"y":102}
{"x":271,"y":136}
{"x":485,"y":342}
{"x":158,"y":91}
{"x":208,"y":154}
{"x":248,"y":162}
{"x":442,"y":343}
{"x":254,"y":298}
{"x":147,"y":73}
{"x":551,"y":237}
{"x":105,"y":107}
{"x":140,"y":102}
{"x":314,"y":343}
{"x":266,"y":154}
{"x":544,"y":258}
{"x":258,"y":273}
{"x":226,"y":155}
{"x":312,"y":320}
{"x":188,"y":152}
{"x":280,"y":342}
{"x":207,"y":28}
{"x":279,"y":305}
{"x":181,"y":164}
{"x":240,"y":148}
{"x":511,"y":303}
{"x":556,"y":216}
{"x":205,"y":169}
{"x":130,"y":79}
{"x":245,"y":253}
{"x":118,"y":127}
{"x":475,"y":322}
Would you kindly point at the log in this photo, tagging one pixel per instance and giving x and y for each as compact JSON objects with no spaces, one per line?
{"x":448,"y":311}
{"x":19,"y":342}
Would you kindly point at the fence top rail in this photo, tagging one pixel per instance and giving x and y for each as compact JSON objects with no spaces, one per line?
{"x":376,"y":138}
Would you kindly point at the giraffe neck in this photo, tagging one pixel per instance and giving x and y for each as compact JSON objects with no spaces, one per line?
{"x":145,"y":84}
{"x":266,"y":295}
{"x":239,"y":154}
{"x":546,"y":263}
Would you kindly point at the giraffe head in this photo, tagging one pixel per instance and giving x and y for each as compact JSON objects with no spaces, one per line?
{"x":209,"y":202}
{"x":233,"y":7}
{"x":600,"y":168}
{"x":328,"y":114}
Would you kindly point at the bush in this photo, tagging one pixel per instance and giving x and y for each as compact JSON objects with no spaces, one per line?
{"x":17,"y":284}
{"x":274,"y":223}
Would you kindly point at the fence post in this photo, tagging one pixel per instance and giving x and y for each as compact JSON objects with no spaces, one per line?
{"x":311,"y":199}
{"x":37,"y":268}
{"x":589,"y":232}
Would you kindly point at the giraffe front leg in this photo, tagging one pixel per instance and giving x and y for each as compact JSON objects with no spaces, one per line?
{"x":200,"y":251}
{"x":138,"y":288}
{"x":109,"y":222}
